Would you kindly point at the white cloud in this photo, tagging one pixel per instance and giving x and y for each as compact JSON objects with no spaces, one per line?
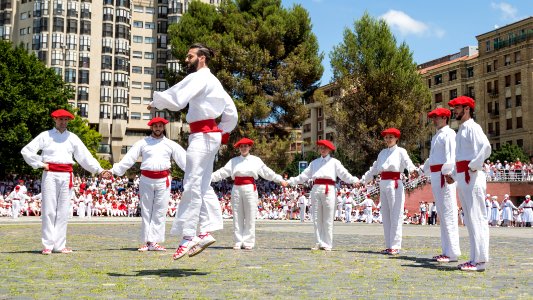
{"x":508,"y":11}
{"x":405,"y":25}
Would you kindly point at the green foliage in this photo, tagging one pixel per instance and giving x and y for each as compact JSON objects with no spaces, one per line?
{"x":266,"y":57}
{"x":292,"y":169}
{"x":509,"y":152}
{"x":29,"y":92}
{"x":381,"y":89}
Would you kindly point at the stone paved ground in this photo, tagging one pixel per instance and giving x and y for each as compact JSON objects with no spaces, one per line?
{"x":106,"y":265}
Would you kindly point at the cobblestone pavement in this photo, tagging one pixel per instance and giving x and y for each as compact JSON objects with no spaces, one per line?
{"x":106,"y":265}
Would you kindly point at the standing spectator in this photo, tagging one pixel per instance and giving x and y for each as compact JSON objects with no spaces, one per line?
{"x":527,"y":208}
{"x":302,"y":204}
{"x":494,"y":211}
{"x":507,"y":211}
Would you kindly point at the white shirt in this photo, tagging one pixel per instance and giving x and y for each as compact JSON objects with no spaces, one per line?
{"x":393,"y":159}
{"x":156,"y":154}
{"x":442,"y":151}
{"x":246,"y":166}
{"x":324,"y":168}
{"x":206,"y":98}
{"x":58,"y":148}
{"x":472,"y":145}
{"x":302,"y":201}
{"x":368,"y":203}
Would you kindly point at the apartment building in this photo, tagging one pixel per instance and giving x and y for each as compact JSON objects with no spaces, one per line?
{"x":112,"y":53}
{"x":316,"y":126}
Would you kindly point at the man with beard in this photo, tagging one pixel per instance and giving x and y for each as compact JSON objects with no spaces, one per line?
{"x":207,"y":101}
{"x":472,"y":148}
{"x":441,"y":162}
{"x":154,"y":186}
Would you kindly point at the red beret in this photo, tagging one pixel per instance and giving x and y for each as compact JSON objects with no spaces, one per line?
{"x":243,"y":141}
{"x":61,"y":113}
{"x":326,"y":144}
{"x":464,"y":101}
{"x":392,"y":131}
{"x":157,"y":120}
{"x":439,"y":112}
{"x":17,"y":187}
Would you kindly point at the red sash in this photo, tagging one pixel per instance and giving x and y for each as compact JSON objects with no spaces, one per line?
{"x":438,"y":168}
{"x":325,"y":181}
{"x":462,"y":167}
{"x":245,"y":181}
{"x":208,"y":125}
{"x":157,"y":174}
{"x":391,"y":176}
{"x":62,"y":168}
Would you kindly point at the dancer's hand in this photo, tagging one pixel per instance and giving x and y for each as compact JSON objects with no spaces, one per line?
{"x":149,"y":107}
{"x":449,"y":179}
{"x":284,"y":183}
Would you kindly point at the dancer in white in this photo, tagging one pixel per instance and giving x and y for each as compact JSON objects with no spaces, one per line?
{"x":17,"y":198}
{"x":507,"y":211}
{"x":472,"y":148}
{"x":441,"y":162}
{"x":154,"y":186}
{"x":367,"y":206}
{"x":391,"y":162}
{"x":207,"y":100}
{"x":324,"y":172}
{"x":244,"y":170}
{"x":58,"y":145}
{"x":527,"y":211}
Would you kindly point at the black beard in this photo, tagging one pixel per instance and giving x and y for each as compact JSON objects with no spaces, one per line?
{"x":192,"y":67}
{"x":154,"y":134}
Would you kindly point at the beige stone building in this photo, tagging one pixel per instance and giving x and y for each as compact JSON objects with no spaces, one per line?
{"x":316,"y":126}
{"x":112,"y":53}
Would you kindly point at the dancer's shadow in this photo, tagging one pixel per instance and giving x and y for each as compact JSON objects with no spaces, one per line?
{"x":295,"y":248}
{"x":367,"y":252}
{"x":24,"y":252}
{"x":422,"y":262}
{"x":163,"y":273}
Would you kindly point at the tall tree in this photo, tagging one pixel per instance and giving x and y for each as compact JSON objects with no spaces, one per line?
{"x":29,"y":92}
{"x":380,"y":87}
{"x":509,"y":152}
{"x":266,"y":56}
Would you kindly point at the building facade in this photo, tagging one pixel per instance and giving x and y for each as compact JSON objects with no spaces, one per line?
{"x":112,"y":53}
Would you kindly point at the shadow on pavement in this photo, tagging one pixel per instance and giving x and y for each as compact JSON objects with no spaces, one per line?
{"x":25,"y":251}
{"x":428,"y":263}
{"x":163,"y":273}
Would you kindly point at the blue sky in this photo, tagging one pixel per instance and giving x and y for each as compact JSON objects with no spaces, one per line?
{"x":431,"y":29}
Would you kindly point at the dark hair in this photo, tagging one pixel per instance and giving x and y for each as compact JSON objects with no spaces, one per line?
{"x":203,"y":50}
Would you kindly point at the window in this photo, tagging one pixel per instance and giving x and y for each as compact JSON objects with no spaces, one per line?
{"x":122,"y":31}
{"x":470,"y":72}
{"x":149,"y":25}
{"x":122,"y":15}
{"x":108,"y":14}
{"x":517,"y":78}
{"x":135,"y":100}
{"x":149,"y":40}
{"x":508,"y":103}
{"x":70,"y":59}
{"x":72,"y":26}
{"x":175,"y":7}
{"x":85,"y":43}
{"x":105,"y":94}
{"x":509,"y":124}
{"x":319,"y":124}
{"x":489,"y":67}
{"x":120,"y":96}
{"x":429,"y":82}
{"x":150,"y":10}
{"x":161,"y":85}
{"x":86,"y":10}
{"x":147,"y":100}
{"x":489,"y":87}
{"x":83,"y":110}
{"x":148,"y":86}
{"x":105,"y":111}
{"x":135,"y":115}
{"x":122,"y":64}
{"x":489,"y":107}
{"x":147,"y":116}
{"x":138,"y":24}
{"x":497,"y":128}
{"x":83,"y":76}
{"x":70,"y":75}
{"x":120,"y":112}
{"x":520,"y":143}
{"x":438,"y":79}
{"x":490,"y":129}
{"x":508,"y":81}
{"x":162,"y":57}
{"x":307,"y":128}
{"x":471,"y":92}
{"x":58,"y":41}
{"x":160,"y":74}
{"x":453,"y":94}
{"x":57,"y":57}
{"x":438,"y":98}
{"x":517,"y":57}
{"x":121,"y":79}
{"x":148,"y":71}
{"x":122,"y":47}
{"x":59,"y":24}
{"x":107,"y":30}
{"x":495,"y":65}
{"x":136,"y":84}
{"x":136,"y":70}
{"x":497,"y":110}
{"x":518,"y":100}
{"x":105,"y":78}
{"x":138,"y":8}
{"x":107,"y":46}
{"x":85,"y":27}
{"x":162,"y":12}
{"x":58,"y":7}
{"x":137,"y":54}
{"x":162,"y":41}
{"x":83,"y":93}
{"x":107,"y":61}
{"x":72,"y":40}
{"x":148,"y":55}
{"x":496,"y":90}
{"x":452,"y":75}
{"x":137,"y":39}
{"x":507,"y":60}
{"x":518,"y":122}
{"x":319,"y":111}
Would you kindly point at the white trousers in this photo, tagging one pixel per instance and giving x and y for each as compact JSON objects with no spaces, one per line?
{"x":348,"y":214}
{"x":368,"y":215}
{"x":89,"y":210}
{"x":446,"y":201}
{"x":302,"y":213}
{"x":15,"y":207}
{"x":472,"y":198}
{"x":199,"y":208}
{"x":392,"y":206}
{"x":323,"y":208}
{"x":81,"y":210}
{"x":244,"y":203}
{"x":55,"y":209}
{"x":154,"y":196}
